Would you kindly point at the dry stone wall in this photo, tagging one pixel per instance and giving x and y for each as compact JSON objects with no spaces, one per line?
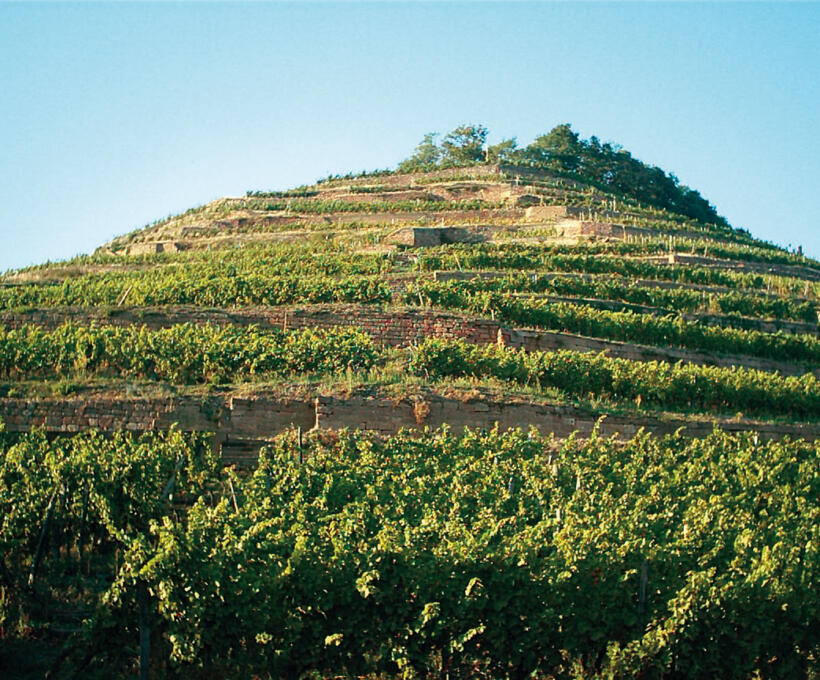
{"x":579,"y":214}
{"x":644,"y":283}
{"x":152,"y":247}
{"x":387,"y":326}
{"x":386,"y":416}
{"x":796,"y":270}
{"x":744,"y":323}
{"x":244,"y":417}
{"x":260,"y":416}
{"x":605,"y":230}
{"x":392,"y":327}
{"x":546,"y":341}
{"x":419,"y":217}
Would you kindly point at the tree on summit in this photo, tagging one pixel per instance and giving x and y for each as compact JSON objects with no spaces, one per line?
{"x":559,"y":150}
{"x":426,"y":156}
{"x":502,"y":152}
{"x":464,"y":145}
{"x":562,"y":152}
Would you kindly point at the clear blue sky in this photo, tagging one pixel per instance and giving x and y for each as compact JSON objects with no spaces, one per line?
{"x":114,"y":115}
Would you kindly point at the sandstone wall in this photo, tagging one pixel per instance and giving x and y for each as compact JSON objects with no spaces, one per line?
{"x":800,"y":271}
{"x":579,"y":227}
{"x":385,"y":416}
{"x":546,"y":341}
{"x":422,"y":237}
{"x":720,"y":320}
{"x":416,"y":237}
{"x":151,"y":247}
{"x":387,"y":326}
{"x":392,"y":327}
{"x":244,"y":417}
{"x":255,"y":417}
{"x":648,"y":283}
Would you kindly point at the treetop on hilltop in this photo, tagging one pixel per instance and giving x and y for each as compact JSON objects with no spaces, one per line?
{"x":562,"y":152}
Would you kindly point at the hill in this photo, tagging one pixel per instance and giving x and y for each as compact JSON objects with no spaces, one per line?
{"x":615,"y":349}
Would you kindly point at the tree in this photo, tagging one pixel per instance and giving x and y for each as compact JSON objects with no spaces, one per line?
{"x":501,"y":152}
{"x":426,"y":156}
{"x":464,"y":145}
{"x":560,"y":149}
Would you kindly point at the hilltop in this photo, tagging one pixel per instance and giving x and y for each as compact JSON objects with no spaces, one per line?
{"x":564,"y":244}
{"x":565,"y":289}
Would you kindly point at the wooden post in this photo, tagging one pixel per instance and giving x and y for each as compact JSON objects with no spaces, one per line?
{"x":124,"y":295}
{"x":233,"y":496}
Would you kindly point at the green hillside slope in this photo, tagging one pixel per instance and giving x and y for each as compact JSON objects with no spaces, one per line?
{"x":500,"y":412}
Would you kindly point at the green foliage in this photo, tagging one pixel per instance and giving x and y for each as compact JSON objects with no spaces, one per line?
{"x":207,"y":286}
{"x":675,"y":386}
{"x":182,"y":354}
{"x":598,"y":259}
{"x":425,"y":157}
{"x":613,"y":168}
{"x":458,"y":553}
{"x":299,"y":192}
{"x":497,"y":554}
{"x":620,"y":326}
{"x":501,"y":152}
{"x":77,"y":502}
{"x":431,"y":555}
{"x":562,"y":152}
{"x":675,"y":299}
{"x":356,"y":175}
{"x":316,"y":256}
{"x":125,"y":476}
{"x":325,"y":207}
{"x":464,"y":145}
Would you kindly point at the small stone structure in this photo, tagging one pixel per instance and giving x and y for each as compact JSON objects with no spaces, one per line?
{"x":420,"y":237}
{"x":151,"y":247}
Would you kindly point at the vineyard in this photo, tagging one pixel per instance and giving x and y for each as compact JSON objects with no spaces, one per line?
{"x":471,"y":418}
{"x":182,"y":354}
{"x":350,"y":555}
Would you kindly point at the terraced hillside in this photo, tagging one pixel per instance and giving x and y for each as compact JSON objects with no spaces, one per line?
{"x":487,"y":295}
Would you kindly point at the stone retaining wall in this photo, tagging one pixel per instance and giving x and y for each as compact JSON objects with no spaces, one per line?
{"x":386,"y":416}
{"x":647,"y":283}
{"x":387,"y":326}
{"x":243,"y":417}
{"x":152,"y":247}
{"x":533,"y":340}
{"x":578,"y":214}
{"x":800,"y":271}
{"x":719,"y":320}
{"x":575,"y":228}
{"x":414,"y":217}
{"x":392,"y":327}
{"x":260,"y":416}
